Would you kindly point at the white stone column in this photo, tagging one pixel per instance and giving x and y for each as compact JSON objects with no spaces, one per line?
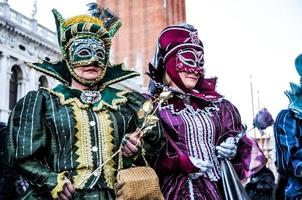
{"x":33,"y":82}
{"x":20,"y":89}
{"x":4,"y":92}
{"x":24,"y":83}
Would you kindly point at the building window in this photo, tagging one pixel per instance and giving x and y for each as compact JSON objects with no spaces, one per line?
{"x":16,"y":76}
{"x":22,"y":47}
{"x":43,"y":82}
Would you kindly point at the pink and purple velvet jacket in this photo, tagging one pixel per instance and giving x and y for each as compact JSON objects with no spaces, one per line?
{"x":194,"y":129}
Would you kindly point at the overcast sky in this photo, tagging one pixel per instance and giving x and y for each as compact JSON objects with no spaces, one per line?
{"x":242,"y":39}
{"x":258,"y":38}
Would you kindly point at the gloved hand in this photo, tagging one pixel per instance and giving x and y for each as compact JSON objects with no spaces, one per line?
{"x":204,"y":166}
{"x":227,"y":149}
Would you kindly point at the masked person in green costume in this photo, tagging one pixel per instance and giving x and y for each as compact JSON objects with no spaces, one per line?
{"x":58,"y":137}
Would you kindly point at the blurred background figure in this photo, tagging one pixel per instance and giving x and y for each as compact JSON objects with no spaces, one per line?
{"x":262,"y":185}
{"x":287,"y":131}
{"x":7,"y":177}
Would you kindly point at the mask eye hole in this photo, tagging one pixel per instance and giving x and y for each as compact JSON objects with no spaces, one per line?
{"x":84,"y":52}
{"x":187,"y":61}
{"x":100,"y":54}
{"x":190,"y":63}
{"x":200,"y":64}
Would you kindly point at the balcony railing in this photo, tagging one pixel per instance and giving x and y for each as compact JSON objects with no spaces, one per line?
{"x":27,"y":23}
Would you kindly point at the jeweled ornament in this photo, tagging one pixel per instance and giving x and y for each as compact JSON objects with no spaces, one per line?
{"x":90,"y":97}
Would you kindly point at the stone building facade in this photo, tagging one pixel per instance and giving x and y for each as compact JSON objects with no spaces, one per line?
{"x":22,"y":40}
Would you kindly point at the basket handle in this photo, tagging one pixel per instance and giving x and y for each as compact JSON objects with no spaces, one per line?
{"x":120,"y":158}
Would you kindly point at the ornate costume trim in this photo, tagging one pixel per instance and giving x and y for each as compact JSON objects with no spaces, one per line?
{"x":200,"y":137}
{"x":106,"y":131}
{"x":110,"y":98}
{"x":295,"y":99}
{"x":59,"y":71}
{"x":117,"y":69}
{"x":83,"y":143}
{"x":206,"y":110}
{"x":85,"y":81}
{"x":90,"y":96}
{"x":83,"y":18}
{"x":45,"y":71}
{"x":59,"y":186}
{"x":116,"y":101}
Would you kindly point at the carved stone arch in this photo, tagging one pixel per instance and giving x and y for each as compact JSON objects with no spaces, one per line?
{"x":21,"y":67}
{"x":16,"y":77}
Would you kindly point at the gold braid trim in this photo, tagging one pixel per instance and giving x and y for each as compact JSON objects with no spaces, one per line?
{"x":105,"y":84}
{"x":68,"y":101}
{"x":83,"y":145}
{"x":115,"y":102}
{"x":87,"y":27}
{"x":113,"y":105}
{"x":54,"y":75}
{"x":82,"y":80}
{"x":59,"y":186}
{"x":83,"y":19}
{"x":107,"y":147}
{"x":102,"y":31}
{"x":74,"y":29}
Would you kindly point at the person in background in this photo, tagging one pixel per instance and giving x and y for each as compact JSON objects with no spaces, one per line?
{"x":7,"y":175}
{"x":261,"y":185}
{"x":58,"y":137}
{"x":200,"y":124}
{"x":287,"y":132}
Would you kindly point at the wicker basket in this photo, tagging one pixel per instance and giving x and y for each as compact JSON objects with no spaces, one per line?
{"x":138,"y":183}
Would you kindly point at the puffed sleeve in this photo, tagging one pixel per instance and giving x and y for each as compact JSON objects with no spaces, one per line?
{"x":230,"y":120}
{"x":27,"y":140}
{"x":153,"y":140}
{"x":287,"y":131}
{"x":249,"y":158}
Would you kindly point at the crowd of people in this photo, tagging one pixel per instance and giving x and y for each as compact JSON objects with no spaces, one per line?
{"x":56,"y":138}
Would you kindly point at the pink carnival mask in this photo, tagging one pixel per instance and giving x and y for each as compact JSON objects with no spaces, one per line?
{"x":179,"y":49}
{"x":189,"y":60}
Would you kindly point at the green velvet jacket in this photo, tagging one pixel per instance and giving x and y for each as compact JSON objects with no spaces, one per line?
{"x":53,"y":134}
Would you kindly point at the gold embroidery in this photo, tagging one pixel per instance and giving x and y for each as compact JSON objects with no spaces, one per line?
{"x":102,"y":31}
{"x":114,"y":105}
{"x":83,"y":145}
{"x":74,"y":29}
{"x":107,"y":146}
{"x":83,"y":19}
{"x":71,"y":70}
{"x":60,"y":183}
{"x":47,"y":72}
{"x":87,"y":27}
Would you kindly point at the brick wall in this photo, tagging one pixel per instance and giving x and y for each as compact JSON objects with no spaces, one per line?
{"x":142,"y":21}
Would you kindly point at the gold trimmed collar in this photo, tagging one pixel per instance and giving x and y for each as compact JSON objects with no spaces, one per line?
{"x":111,"y":97}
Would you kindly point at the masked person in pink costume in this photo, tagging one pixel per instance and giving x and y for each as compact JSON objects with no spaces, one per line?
{"x":199,"y":123}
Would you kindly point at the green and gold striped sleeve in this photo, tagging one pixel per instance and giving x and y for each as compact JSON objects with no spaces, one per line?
{"x":26,"y":140}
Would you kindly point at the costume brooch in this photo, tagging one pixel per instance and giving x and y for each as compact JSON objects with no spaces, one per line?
{"x":90,"y":97}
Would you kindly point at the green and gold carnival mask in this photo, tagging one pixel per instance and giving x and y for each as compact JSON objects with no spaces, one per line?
{"x":86,"y":51}
{"x":85,"y":40}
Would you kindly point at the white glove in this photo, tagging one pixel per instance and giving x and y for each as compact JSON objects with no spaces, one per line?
{"x":204,"y":166}
{"x":227,"y":149}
